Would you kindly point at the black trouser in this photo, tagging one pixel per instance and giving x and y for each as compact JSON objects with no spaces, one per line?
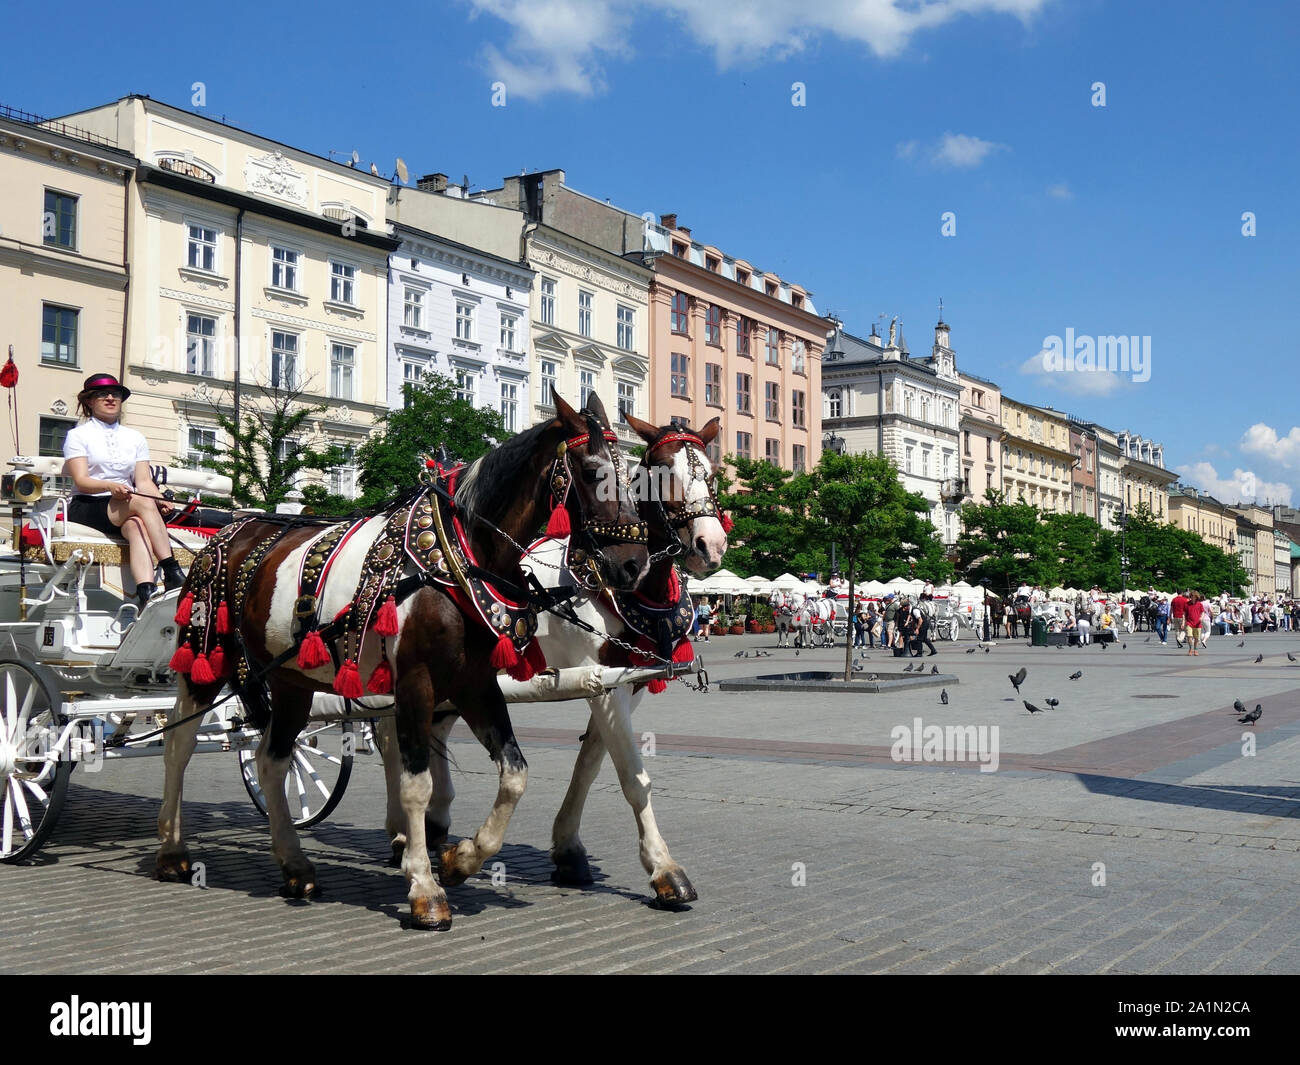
{"x":923,"y":638}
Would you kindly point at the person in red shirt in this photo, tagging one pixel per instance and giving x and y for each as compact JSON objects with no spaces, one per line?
{"x":1195,"y":609}
{"x":1178,"y":614}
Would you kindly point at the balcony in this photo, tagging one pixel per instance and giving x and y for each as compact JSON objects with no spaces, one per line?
{"x":953,"y":490}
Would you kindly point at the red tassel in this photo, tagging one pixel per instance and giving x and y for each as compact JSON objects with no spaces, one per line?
{"x":503,"y":654}
{"x":183,"y":659}
{"x":536,"y":658}
{"x":218,"y":662}
{"x":386,"y":621}
{"x":558,"y":527}
{"x":313,"y":653}
{"x":656,"y":686}
{"x":727,"y":523}
{"x":342,"y":612}
{"x":684,"y":652}
{"x":381,"y":680}
{"x":201,"y":671}
{"x":348,"y":681}
{"x":9,"y":374}
{"x":185,"y":609}
{"x":223,"y":619}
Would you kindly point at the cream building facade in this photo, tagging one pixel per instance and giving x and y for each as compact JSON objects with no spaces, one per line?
{"x":1255,"y":546}
{"x":981,"y":436}
{"x":1036,"y":456}
{"x":63,"y":270}
{"x":1144,"y":479}
{"x":259,"y":269}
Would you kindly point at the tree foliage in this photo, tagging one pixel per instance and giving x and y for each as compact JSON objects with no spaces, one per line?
{"x":767,"y":538}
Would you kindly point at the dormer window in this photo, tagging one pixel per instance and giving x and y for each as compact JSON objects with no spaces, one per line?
{"x":712,"y":264}
{"x":679,"y":249}
{"x":797,"y":301}
{"x":772,"y":289}
{"x":742,"y":276}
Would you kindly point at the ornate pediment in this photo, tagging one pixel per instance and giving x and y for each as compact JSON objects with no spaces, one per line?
{"x":273,"y":175}
{"x":552,"y":342}
{"x":590,"y":353}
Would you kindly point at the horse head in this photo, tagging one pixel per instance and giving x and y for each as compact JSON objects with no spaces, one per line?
{"x":678,"y":491}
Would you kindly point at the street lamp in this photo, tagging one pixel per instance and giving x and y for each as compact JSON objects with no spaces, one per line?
{"x":1123,"y":548}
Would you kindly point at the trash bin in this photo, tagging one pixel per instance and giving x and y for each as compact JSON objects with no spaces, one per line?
{"x":1038,"y":633}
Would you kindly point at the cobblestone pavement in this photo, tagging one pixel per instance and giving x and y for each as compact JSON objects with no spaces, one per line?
{"x":909,"y":868}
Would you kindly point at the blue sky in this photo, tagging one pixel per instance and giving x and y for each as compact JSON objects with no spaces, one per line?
{"x":1116,"y":220}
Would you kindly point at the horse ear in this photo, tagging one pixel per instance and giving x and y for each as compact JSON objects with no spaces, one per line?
{"x":596,"y":442}
{"x":710,"y":430}
{"x":644,"y":430}
{"x":598,"y":409}
{"x":571,"y":418}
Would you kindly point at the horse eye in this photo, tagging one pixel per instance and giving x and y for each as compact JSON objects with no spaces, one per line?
{"x":589,"y":475}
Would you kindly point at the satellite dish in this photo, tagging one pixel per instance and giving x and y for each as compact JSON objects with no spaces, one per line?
{"x":401,"y":170}
{"x":356,"y":157}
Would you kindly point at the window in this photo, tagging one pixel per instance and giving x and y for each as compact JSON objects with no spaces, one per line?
{"x":713,"y":384}
{"x":1087,"y":459}
{"x":626,"y":400}
{"x":510,"y":406}
{"x":342,"y":361}
{"x":626,"y":328}
{"x":773,"y":289}
{"x":59,"y":224}
{"x":680,"y":308}
{"x":834,"y":404}
{"x":343,"y":477}
{"x":800,"y":458}
{"x":798,"y":407}
{"x":711,"y":264}
{"x":966,"y":443}
{"x":797,"y":353}
{"x":742,"y":393}
{"x":58,"y":335}
{"x":947,"y":464}
{"x":199,"y":439}
{"x":465,"y":385}
{"x":548,"y":302}
{"x":796,"y":301}
{"x":714,"y":451}
{"x":907,"y":402}
{"x":342,"y":283}
{"x":586,"y":386}
{"x":925,"y":408}
{"x":772,"y":451}
{"x":284,"y":269}
{"x":200,"y":345}
{"x":742,"y":276}
{"x":988,"y":449}
{"x":713,"y":325}
{"x":772,"y":401}
{"x":925,"y":462}
{"x":53,"y":432}
{"x":464,"y":320}
{"x":202,"y":249}
{"x":743,"y":445}
{"x":679,"y":377}
{"x":679,"y":249}
{"x":773,"y":347}
{"x":284,"y":360}
{"x":907,"y":460}
{"x":584,"y":313}
{"x":412,"y":374}
{"x":413,"y":309}
{"x":744,"y":330}
{"x":549,"y":374}
{"x":509,"y":328}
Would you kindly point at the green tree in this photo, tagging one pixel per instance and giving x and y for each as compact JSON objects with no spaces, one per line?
{"x":1004,"y":543}
{"x":433,"y":415}
{"x":767,"y":538}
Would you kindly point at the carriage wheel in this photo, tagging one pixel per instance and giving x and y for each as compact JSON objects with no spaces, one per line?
{"x":31,"y":714}
{"x":318,"y":777}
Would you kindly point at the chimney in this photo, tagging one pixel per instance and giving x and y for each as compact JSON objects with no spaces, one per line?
{"x":668,"y":221}
{"x":432,"y":183}
{"x":685,"y":230}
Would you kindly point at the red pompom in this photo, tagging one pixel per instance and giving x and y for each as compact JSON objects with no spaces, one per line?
{"x":201,"y":671}
{"x":727,"y":523}
{"x":503,"y":654}
{"x":558,"y":527}
{"x":533,"y":652}
{"x":9,"y":374}
{"x":218,"y":662}
{"x":381,"y":680}
{"x":183,"y":659}
{"x":656,"y":686}
{"x":386,"y":621}
{"x":185,"y":609}
{"x":684,"y":652}
{"x":223,"y":619}
{"x":348,"y":681}
{"x":313,"y":653}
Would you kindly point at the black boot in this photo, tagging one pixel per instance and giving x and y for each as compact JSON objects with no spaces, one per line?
{"x":173,"y":575}
{"x":143,"y":591}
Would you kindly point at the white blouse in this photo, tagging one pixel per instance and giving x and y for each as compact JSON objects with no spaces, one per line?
{"x":110,"y":451}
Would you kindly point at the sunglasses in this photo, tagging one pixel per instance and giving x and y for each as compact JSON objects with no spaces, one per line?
{"x":107,"y":393}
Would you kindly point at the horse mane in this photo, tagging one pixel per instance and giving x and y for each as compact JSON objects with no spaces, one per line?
{"x":490,"y":485}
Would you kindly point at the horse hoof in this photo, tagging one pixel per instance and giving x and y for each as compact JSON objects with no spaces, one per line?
{"x":429,"y":916}
{"x":300,"y":882}
{"x":673,"y":888}
{"x":173,"y":869}
{"x":448,"y":874}
{"x":572,"y":870}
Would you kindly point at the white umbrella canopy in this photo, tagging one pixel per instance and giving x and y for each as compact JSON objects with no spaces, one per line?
{"x":695,"y":586}
{"x":871,"y":588}
{"x":964,"y":587}
{"x":759,"y":585}
{"x":899,"y":583}
{"x":723,"y":582}
{"x":1056,"y":593}
{"x":787,"y":582}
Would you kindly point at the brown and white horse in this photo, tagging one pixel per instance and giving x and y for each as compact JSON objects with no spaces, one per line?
{"x":438,"y":653}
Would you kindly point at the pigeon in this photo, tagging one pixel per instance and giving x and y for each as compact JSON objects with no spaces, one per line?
{"x":1259,"y":659}
{"x":971,"y":650}
{"x":1018,"y":679}
{"x":738,"y":654}
{"x":1031,"y":707}
{"x":1290,"y":656}
{"x":873,"y":676}
{"x":1238,"y":707}
{"x":908,"y":669}
{"x":986,"y":650}
{"x":1123,"y":647}
{"x":1147,"y":640}
{"x":1103,"y":644}
{"x":1076,"y":675}
{"x":943,"y":697}
{"x":1242,"y":644}
{"x":1253,"y":716}
{"x":796,"y":652}
{"x":934,"y":671}
{"x":1053,"y":703}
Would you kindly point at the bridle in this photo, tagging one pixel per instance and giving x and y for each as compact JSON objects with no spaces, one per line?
{"x":677,"y":516}
{"x":596,"y":533}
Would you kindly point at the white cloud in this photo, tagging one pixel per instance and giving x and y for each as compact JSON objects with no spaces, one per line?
{"x":1075,"y":382}
{"x":962,"y":151}
{"x":1242,"y":487}
{"x":1261,"y":439}
{"x":1060,"y":192}
{"x":556,"y":45}
{"x":907,"y":149}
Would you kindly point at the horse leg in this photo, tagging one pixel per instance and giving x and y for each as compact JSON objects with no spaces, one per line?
{"x":173,"y":860}
{"x":291,"y":708}
{"x":567,"y":852}
{"x":490,"y":720}
{"x":437,"y":820}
